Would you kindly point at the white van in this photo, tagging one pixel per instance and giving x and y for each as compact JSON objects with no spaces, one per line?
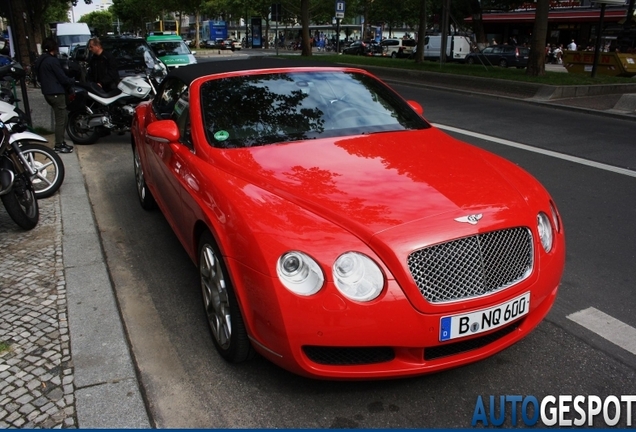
{"x":457,"y":47}
{"x":397,"y":47}
{"x":70,"y":34}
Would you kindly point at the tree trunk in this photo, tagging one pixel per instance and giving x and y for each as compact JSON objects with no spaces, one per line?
{"x":304,"y":16}
{"x":478,"y":23}
{"x":536,"y":62}
{"x":19,"y":30}
{"x":421,"y":33}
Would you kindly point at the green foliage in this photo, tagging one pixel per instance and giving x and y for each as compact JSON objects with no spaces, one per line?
{"x":56,"y":11}
{"x":101,"y":22}
{"x":134,"y":14}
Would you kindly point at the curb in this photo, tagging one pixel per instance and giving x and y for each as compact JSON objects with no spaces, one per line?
{"x":107,"y":390}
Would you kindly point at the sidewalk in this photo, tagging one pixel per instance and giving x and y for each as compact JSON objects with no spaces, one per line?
{"x":64,"y":357}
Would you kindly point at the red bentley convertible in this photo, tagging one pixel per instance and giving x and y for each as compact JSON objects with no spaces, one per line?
{"x":336,"y":232}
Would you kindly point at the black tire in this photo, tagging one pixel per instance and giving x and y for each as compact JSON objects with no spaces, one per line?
{"x":470,"y":60}
{"x":503,"y":63}
{"x":146,"y":199}
{"x":393,"y":54}
{"x":78,"y":130}
{"x":49,"y":167}
{"x":21,"y":203}
{"x":220,"y":304}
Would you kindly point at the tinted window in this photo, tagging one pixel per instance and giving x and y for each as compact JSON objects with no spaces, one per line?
{"x":284,"y":107}
{"x":408,"y":42}
{"x":487,"y":50}
{"x":131,"y":54}
{"x":497,"y":50}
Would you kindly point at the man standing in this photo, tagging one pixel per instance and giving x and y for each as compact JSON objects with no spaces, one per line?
{"x":572,"y":46}
{"x":54,"y":82}
{"x":102,"y":69}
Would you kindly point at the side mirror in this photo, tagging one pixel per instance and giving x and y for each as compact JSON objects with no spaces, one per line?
{"x":194,"y":53}
{"x":416,"y":106}
{"x":164,"y":131}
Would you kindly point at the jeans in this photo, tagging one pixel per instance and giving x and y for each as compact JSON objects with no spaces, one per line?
{"x":58,"y":103}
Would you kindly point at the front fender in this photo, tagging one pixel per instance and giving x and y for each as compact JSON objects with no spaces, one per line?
{"x":26,"y":136}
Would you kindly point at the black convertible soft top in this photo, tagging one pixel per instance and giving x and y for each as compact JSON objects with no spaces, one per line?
{"x":189,"y":73}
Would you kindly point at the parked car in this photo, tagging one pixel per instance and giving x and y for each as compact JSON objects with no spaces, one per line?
{"x":397,"y":48}
{"x":232,"y":44}
{"x":171,"y":49}
{"x":133,"y":56}
{"x":356,"y":48}
{"x":336,"y":231}
{"x":501,"y":55}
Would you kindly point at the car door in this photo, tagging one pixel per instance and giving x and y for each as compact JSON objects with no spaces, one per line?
{"x":161,"y":155}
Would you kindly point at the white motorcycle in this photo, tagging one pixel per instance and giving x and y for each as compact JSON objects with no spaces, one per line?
{"x":94,"y":113}
{"x":46,"y":165}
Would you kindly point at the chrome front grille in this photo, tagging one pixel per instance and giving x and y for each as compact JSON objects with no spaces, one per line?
{"x":472,"y":266}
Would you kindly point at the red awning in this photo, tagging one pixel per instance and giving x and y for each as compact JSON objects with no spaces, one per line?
{"x":588,"y":15}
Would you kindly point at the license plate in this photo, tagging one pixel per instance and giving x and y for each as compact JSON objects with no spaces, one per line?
{"x":472,"y":323}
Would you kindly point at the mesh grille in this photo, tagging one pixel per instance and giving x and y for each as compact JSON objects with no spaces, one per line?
{"x":472,"y":266}
{"x":345,"y":356}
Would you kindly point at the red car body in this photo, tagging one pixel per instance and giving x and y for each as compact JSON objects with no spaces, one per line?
{"x":381,"y":195}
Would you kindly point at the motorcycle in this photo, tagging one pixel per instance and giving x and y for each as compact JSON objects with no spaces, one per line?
{"x":94,"y":112}
{"x":47,"y":167}
{"x":16,"y":189}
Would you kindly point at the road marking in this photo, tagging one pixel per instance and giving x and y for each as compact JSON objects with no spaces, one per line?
{"x":550,"y":153}
{"x":606,"y":326}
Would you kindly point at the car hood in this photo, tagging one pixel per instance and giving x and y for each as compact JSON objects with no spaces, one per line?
{"x":372,"y":183}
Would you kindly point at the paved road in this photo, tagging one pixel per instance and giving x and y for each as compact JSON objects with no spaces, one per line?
{"x":190,"y":386}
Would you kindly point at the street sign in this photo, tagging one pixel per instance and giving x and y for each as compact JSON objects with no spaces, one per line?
{"x":340,"y":9}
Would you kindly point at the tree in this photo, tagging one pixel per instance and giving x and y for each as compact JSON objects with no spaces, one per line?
{"x":28,"y":19}
{"x":134,"y":14}
{"x":101,"y":22}
{"x":536,"y":61}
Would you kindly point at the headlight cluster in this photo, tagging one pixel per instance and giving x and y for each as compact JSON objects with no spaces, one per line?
{"x":356,"y":275}
{"x":546,"y":229}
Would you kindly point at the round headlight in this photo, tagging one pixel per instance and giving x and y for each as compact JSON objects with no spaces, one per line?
{"x":545,"y":231}
{"x":358,"y":277}
{"x":299,"y":273}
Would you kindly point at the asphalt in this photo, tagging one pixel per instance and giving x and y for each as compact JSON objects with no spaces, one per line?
{"x":65,"y":360}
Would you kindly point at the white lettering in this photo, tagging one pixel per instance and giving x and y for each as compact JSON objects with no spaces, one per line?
{"x":594,"y":407}
{"x":617,"y":414}
{"x":563,"y":408}
{"x":549,"y":421}
{"x":579,"y":421}
{"x":629,"y":399}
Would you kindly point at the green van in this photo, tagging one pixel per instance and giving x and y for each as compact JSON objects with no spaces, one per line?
{"x":171,"y":49}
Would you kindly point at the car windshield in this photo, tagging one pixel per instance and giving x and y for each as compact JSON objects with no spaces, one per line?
{"x":171,"y":48}
{"x":131,"y":54}
{"x":255,"y":110}
{"x":68,"y":40}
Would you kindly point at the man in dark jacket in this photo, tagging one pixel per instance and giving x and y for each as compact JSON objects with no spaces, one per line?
{"x":102,"y":67}
{"x":54,"y":84}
